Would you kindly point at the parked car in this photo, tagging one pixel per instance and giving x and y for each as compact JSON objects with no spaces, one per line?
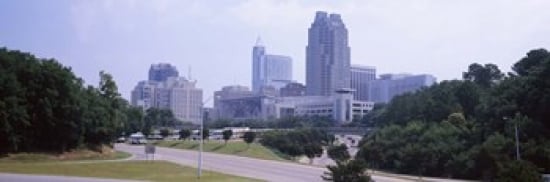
{"x":120,"y":140}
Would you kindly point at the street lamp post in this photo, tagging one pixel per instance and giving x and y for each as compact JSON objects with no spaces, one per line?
{"x":199,"y":162}
{"x":518,"y":156}
{"x":199,"y":170}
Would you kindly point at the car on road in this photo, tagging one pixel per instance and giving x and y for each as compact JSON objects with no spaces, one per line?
{"x":137,"y":138}
{"x":120,"y":140}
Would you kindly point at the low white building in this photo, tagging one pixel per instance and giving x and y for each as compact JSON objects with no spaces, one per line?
{"x":341,"y":106}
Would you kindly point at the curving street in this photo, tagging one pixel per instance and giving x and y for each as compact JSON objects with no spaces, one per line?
{"x":241,"y":166}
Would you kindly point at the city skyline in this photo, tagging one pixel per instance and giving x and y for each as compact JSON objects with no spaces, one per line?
{"x":117,"y":37}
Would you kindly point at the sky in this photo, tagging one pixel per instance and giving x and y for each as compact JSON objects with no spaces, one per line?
{"x":211,"y":40}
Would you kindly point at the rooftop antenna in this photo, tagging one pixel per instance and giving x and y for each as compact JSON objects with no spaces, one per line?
{"x":189,"y":72}
{"x":259,"y":42}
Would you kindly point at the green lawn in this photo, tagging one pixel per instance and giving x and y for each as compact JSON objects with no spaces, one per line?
{"x":73,"y":156}
{"x":135,"y":170}
{"x":239,"y":148}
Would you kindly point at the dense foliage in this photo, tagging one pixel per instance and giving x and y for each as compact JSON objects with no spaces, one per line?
{"x":339,"y":152}
{"x":249,"y":137}
{"x":184,"y":134}
{"x":45,"y":107}
{"x":465,"y":128}
{"x":297,"y":142}
{"x":348,"y":171}
{"x":227,"y":135}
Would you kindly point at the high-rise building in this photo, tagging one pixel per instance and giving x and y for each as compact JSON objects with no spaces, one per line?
{"x":169,"y":92}
{"x":327,"y":55}
{"x":269,"y":70}
{"x":391,"y":85}
{"x":160,"y":72}
{"x":360,"y":77}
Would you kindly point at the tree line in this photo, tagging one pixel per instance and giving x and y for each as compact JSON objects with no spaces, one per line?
{"x":45,"y":107}
{"x":298,"y":142}
{"x":466,"y":128}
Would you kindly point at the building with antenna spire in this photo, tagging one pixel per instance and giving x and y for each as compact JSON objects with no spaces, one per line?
{"x":269,"y":71}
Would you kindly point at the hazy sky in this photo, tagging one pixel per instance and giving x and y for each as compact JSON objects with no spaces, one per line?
{"x":215,"y":38}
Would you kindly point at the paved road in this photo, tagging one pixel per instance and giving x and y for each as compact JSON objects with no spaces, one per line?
{"x":4,"y":177}
{"x":241,"y":166}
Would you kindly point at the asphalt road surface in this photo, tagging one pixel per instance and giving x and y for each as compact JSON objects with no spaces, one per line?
{"x":240,"y":166}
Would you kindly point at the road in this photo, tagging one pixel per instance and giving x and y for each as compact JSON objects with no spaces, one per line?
{"x":4,"y":177}
{"x":241,"y":166}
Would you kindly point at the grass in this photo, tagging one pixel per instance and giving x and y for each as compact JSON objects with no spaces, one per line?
{"x":134,"y":170}
{"x":76,"y":155}
{"x":239,"y":148}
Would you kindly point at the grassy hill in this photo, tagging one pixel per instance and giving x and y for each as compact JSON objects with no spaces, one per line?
{"x":238,"y":148}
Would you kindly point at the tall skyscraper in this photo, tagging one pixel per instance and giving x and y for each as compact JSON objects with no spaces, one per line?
{"x":327,"y":55}
{"x":269,"y":70}
{"x":360,"y":77}
{"x":160,"y":72}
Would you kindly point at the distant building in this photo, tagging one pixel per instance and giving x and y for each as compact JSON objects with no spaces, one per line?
{"x":293,"y":89}
{"x":184,"y":99}
{"x":341,"y":107}
{"x":169,"y":92}
{"x":229,"y":92}
{"x":160,"y":72}
{"x":143,"y":94}
{"x":269,"y":70}
{"x":245,"y":108}
{"x":391,"y":85}
{"x":327,"y":55}
{"x":360,"y":78}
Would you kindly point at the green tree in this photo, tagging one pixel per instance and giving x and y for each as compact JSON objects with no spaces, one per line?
{"x":313,"y":150}
{"x":249,"y":137}
{"x":134,"y":122}
{"x":484,"y":75}
{"x":352,"y":171}
{"x":206,"y":133}
{"x":44,"y":107}
{"x":184,"y":134}
{"x":227,"y":135}
{"x":165,"y":132}
{"x":518,"y":171}
{"x":339,"y":153}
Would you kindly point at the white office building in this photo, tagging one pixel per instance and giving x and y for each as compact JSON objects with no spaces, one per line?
{"x":391,"y":85}
{"x":175,"y":93}
{"x":360,"y":78}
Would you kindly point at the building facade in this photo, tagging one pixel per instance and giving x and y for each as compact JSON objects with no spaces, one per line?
{"x":360,"y":78}
{"x":143,"y":94}
{"x":340,"y":107}
{"x":293,"y":89}
{"x":162,"y":71}
{"x":175,"y":93}
{"x":327,"y":55}
{"x":269,"y":70}
{"x":184,"y":99}
{"x":391,"y":85}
